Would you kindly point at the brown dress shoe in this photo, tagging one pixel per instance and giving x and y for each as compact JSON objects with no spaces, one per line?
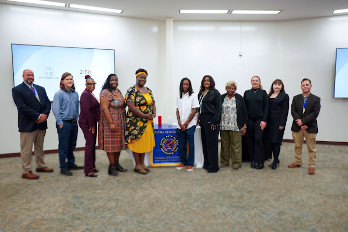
{"x":311,"y":171}
{"x":294,"y":165}
{"x":30,"y":176}
{"x":46,"y":169}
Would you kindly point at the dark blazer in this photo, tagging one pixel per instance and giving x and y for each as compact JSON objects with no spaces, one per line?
{"x":211,"y":104}
{"x":89,"y":109}
{"x":278,"y":109}
{"x":309,"y":117}
{"x":29,"y":108}
{"x":242,"y":115}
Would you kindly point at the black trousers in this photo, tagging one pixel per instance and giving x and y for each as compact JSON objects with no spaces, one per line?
{"x":276,"y":151}
{"x":209,"y":143}
{"x":255,"y":141}
{"x":267,"y":148}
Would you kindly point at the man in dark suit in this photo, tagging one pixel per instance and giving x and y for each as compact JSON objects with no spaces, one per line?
{"x":33,"y":109}
{"x":305,"y":109}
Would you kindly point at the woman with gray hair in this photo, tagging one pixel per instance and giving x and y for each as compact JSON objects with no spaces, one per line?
{"x":233,"y":126}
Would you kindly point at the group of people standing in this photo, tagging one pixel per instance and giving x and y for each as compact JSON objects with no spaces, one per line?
{"x":259,"y":116}
{"x":107,"y":118}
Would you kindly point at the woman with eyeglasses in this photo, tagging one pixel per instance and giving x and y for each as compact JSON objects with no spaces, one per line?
{"x":112,"y":123}
{"x":89,"y":116}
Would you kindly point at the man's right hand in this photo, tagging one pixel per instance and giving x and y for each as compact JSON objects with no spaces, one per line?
{"x":43,"y":118}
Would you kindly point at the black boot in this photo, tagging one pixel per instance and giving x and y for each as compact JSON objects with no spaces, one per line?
{"x":112,"y":170}
{"x":119,"y":167}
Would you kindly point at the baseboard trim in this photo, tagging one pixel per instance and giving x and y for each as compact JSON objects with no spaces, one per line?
{"x":8,"y":155}
{"x":320,"y":142}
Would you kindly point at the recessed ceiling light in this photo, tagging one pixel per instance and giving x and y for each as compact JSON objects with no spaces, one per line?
{"x":47,"y":3}
{"x":203,"y":11}
{"x":340,"y":11}
{"x":93,"y":8}
{"x":255,"y":11}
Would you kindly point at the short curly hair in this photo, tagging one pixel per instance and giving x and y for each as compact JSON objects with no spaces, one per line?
{"x":231,"y":83}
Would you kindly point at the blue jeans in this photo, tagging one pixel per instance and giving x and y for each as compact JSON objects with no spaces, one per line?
{"x":67,"y":136}
{"x":183,"y":137}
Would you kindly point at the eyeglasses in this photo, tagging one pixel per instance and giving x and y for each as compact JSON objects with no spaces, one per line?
{"x":91,"y":83}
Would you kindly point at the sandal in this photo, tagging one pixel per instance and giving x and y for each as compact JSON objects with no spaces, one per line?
{"x":91,"y":174}
{"x":95,"y":170}
{"x":146,"y":168}
{"x":140,"y":171}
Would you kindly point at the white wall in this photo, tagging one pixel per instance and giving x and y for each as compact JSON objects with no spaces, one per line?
{"x":288,"y":50}
{"x":137,"y":43}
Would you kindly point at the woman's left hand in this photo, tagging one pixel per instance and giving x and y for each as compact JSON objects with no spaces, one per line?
{"x":213,"y":127}
{"x":281,"y":127}
{"x":243,"y":131}
{"x":263,"y":125}
{"x":92,"y":129}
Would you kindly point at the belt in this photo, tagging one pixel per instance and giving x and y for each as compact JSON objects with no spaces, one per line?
{"x":71,"y":121}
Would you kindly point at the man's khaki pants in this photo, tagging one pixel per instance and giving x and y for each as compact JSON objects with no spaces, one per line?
{"x":310,"y":141}
{"x":27,"y":140}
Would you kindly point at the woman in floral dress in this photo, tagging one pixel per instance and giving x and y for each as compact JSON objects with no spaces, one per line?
{"x":139,"y":133}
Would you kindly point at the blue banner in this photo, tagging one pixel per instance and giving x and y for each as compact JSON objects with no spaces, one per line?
{"x":166,"y":150}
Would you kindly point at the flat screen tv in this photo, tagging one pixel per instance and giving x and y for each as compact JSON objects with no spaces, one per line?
{"x":50,"y":62}
{"x":341,"y":77}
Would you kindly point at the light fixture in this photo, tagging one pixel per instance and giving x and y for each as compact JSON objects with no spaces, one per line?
{"x":93,"y":8}
{"x":340,"y":11}
{"x":203,"y":11}
{"x":255,"y":11}
{"x":39,"y":2}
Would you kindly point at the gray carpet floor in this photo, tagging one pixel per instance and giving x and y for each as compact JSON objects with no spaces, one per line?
{"x":170,"y":200}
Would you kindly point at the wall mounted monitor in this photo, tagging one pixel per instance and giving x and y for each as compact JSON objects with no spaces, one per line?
{"x":341,"y":77}
{"x":50,"y":62}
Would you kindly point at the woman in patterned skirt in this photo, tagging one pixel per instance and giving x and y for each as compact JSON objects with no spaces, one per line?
{"x":112,"y":123}
{"x":139,"y":127}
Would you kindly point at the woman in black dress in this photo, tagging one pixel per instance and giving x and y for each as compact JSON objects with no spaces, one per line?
{"x":256,"y":101}
{"x":209,"y":117}
{"x":277,"y":115}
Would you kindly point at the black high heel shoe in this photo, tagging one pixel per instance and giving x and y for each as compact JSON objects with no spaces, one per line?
{"x":270,"y":165}
{"x":274,"y":165}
